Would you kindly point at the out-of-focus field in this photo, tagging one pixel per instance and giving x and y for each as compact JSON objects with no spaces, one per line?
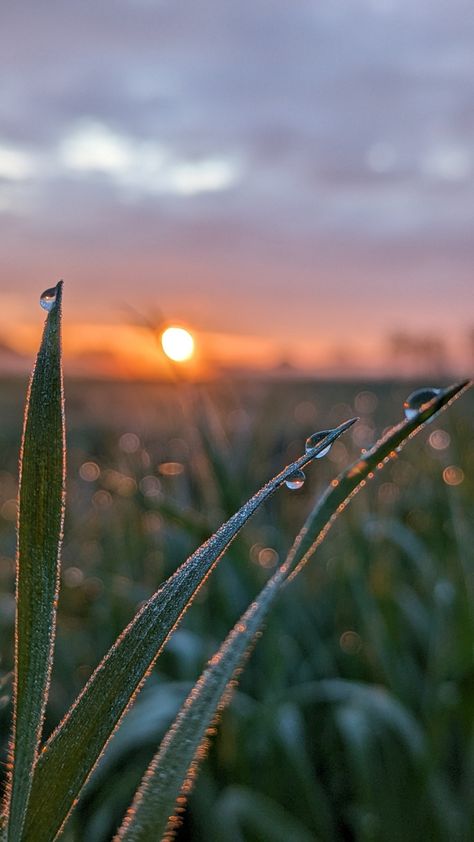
{"x":354,"y":718}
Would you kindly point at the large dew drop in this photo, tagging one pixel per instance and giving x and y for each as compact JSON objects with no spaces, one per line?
{"x":295,"y":481}
{"x":417,"y":400}
{"x":316,"y":439}
{"x":48,"y":299}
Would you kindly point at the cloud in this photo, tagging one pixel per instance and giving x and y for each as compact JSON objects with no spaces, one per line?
{"x":141,"y":166}
{"x":15,"y":164}
{"x":319,"y":149}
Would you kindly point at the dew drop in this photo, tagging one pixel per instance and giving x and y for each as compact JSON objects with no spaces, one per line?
{"x":417,"y":400}
{"x":48,"y":299}
{"x":313,"y":442}
{"x":295,"y":481}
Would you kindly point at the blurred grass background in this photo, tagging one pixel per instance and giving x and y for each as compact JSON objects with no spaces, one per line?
{"x":354,"y":718}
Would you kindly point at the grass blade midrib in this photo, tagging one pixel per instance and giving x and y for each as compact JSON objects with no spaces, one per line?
{"x":40,"y":524}
{"x":75,"y":747}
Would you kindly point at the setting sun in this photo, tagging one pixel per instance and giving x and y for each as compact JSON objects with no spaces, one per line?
{"x":177,"y":343}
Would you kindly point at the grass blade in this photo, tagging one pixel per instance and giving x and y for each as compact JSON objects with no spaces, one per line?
{"x":351,"y":480}
{"x":73,"y":750}
{"x":154,"y":812}
{"x":170,"y":776}
{"x":40,"y":524}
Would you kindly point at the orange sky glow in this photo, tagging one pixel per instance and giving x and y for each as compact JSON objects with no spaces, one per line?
{"x":129,"y":351}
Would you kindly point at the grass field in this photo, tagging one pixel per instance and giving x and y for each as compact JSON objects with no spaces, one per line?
{"x":354,"y":718}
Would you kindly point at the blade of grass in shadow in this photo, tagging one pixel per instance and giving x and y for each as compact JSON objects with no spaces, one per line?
{"x":75,"y":747}
{"x":162,"y":794}
{"x":40,"y":524}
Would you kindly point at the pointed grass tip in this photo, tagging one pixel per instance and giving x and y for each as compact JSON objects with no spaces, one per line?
{"x":345,"y":426}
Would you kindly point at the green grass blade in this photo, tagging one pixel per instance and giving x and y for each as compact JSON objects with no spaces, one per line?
{"x":40,"y":524}
{"x":352,"y":479}
{"x":163,"y":791}
{"x":171,"y":773}
{"x":73,"y":750}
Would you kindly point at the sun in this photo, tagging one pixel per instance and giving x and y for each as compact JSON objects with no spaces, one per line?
{"x":177,"y":343}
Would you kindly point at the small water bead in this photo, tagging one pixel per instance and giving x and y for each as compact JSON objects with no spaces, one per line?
{"x":295,"y":481}
{"x":48,"y":299}
{"x":417,"y":400}
{"x":316,"y":439}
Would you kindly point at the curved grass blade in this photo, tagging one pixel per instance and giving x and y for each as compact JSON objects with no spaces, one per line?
{"x":170,"y":776}
{"x":40,"y":525}
{"x":350,"y":481}
{"x":73,"y":750}
{"x":154,"y":813}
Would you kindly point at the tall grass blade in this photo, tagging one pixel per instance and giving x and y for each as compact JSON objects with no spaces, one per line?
{"x":73,"y":750}
{"x":170,"y":776}
{"x":40,"y":525}
{"x":155,"y":810}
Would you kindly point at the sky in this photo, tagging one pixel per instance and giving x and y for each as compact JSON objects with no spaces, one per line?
{"x":293,"y":181}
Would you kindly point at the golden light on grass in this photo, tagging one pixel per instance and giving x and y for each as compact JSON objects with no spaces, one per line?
{"x":178,"y":344}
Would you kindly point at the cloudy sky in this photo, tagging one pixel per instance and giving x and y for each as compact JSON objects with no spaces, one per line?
{"x":289,"y":179}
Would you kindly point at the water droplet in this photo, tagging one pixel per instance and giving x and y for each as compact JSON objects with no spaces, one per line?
{"x":417,"y":400}
{"x":295,"y":481}
{"x":48,"y":299}
{"x":316,"y":439}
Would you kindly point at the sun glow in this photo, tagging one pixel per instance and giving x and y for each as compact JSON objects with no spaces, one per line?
{"x":178,"y":344}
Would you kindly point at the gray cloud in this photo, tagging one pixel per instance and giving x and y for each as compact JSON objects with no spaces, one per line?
{"x":351,"y":122}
